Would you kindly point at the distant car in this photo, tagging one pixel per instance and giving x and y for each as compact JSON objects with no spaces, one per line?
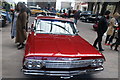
{"x":93,"y":18}
{"x":64,"y":15}
{"x":42,"y":14}
{"x":3,"y":18}
{"x":54,"y":48}
{"x":57,"y":13}
{"x":52,"y":14}
{"x":47,"y":14}
{"x":84,"y":15}
{"x":35,"y":10}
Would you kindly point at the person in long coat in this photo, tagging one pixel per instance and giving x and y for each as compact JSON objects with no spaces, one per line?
{"x":21,"y":26}
{"x":111,"y":29}
{"x":102,"y":28}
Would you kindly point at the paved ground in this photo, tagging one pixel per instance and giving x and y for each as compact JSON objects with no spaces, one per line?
{"x":111,"y":64}
{"x":12,"y":58}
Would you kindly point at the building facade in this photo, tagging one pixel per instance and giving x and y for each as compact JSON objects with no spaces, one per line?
{"x":101,"y":7}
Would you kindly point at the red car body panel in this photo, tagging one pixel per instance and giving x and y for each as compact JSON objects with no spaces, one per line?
{"x":54,"y":18}
{"x":60,"y":54}
{"x":53,"y":45}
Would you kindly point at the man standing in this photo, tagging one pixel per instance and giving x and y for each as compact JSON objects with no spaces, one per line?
{"x":76,"y":16}
{"x":69,"y":12}
{"x":102,"y":28}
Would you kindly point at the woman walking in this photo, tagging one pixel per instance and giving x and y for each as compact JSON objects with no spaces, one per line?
{"x":21,"y":25}
{"x":112,"y":28}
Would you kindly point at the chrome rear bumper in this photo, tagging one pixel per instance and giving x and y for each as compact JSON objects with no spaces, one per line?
{"x":61,"y":73}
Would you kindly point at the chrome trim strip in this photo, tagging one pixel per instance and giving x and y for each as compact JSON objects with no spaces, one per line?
{"x":64,"y":64}
{"x":59,"y":60}
{"x":67,"y":64}
{"x":61,"y":73}
{"x":67,"y":61}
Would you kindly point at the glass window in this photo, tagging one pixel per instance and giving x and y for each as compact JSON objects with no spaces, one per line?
{"x":54,"y":27}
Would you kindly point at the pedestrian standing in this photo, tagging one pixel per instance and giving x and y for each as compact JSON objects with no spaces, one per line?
{"x":102,"y":27}
{"x":69,"y":12}
{"x":13,"y":28}
{"x":117,"y":43}
{"x":60,"y":11}
{"x":112,"y":28}
{"x":21,"y":25}
{"x":64,"y":11}
{"x":76,"y":16}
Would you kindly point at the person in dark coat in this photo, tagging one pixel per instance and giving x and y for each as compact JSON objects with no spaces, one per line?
{"x":76,"y":16}
{"x":69,"y":12}
{"x":64,"y":11}
{"x":102,"y":28}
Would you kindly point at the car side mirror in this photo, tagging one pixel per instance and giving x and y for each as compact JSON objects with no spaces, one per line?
{"x":77,"y":32}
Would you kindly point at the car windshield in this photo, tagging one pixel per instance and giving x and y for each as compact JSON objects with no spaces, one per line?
{"x":38,"y":9}
{"x":33,"y":8}
{"x":54,"y":27}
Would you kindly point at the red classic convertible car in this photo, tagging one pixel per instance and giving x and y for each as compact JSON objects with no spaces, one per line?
{"x":54,"y":48}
